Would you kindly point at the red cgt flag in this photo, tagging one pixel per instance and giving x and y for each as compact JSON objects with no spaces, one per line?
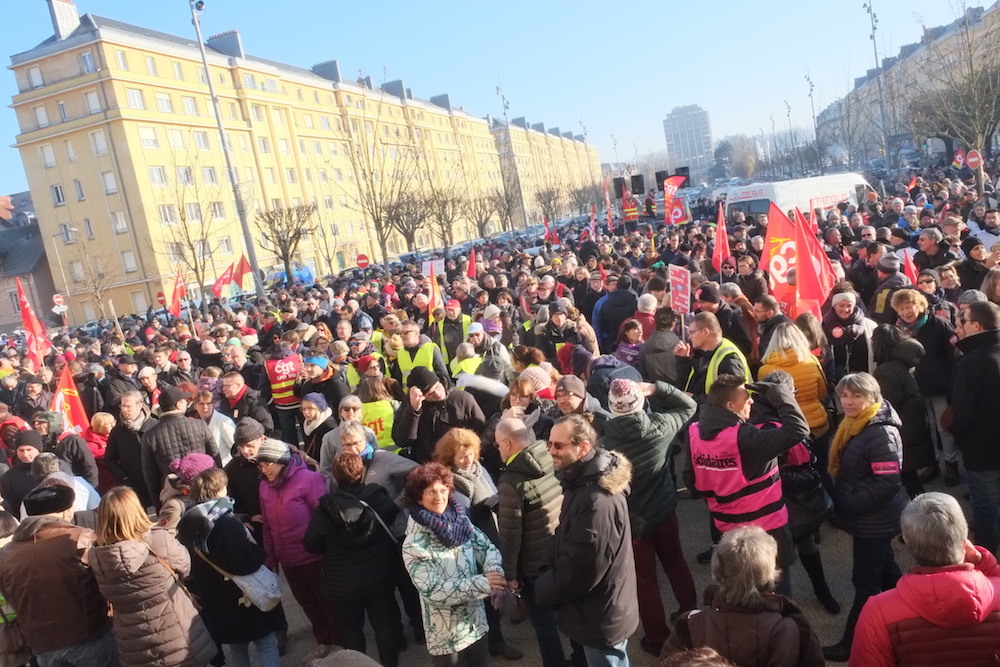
{"x":812,"y":286}
{"x":678,"y":213}
{"x":242,"y":268}
{"x":778,"y":256}
{"x":175,"y":298}
{"x":670,"y":186}
{"x":472,"y":264}
{"x":721,"y":250}
{"x":67,"y":401}
{"x":909,"y":268}
{"x":36,"y":341}
{"x":220,"y":284}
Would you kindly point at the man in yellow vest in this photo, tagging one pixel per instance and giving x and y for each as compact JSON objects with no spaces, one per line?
{"x":466,"y":360}
{"x":707,"y":356}
{"x":418,"y":351}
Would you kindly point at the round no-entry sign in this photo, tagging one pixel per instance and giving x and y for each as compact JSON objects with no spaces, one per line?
{"x":161,"y":298}
{"x":57,"y":299}
{"x":362,"y":261}
{"x":974,"y":159}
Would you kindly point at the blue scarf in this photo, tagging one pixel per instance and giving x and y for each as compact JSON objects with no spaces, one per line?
{"x":210,"y":512}
{"x":452,"y":528}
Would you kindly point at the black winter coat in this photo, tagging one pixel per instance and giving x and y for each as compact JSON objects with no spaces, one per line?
{"x":881,"y":304}
{"x":869,"y":503}
{"x":971,"y":273}
{"x":590,"y":581}
{"x":359,"y":557}
{"x":123,"y":458}
{"x":244,"y":489}
{"x":975,"y":401}
{"x":74,"y":450}
{"x":656,"y":358}
{"x":933,"y":373}
{"x":231,"y":548}
{"x":173,"y":436}
{"x":899,"y":387}
{"x":118,"y":384}
{"x":249,"y":405}
{"x":419,"y":432}
{"x":645,"y":440}
{"x":617,"y":308}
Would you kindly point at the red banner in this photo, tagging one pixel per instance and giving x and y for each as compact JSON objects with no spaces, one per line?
{"x":812,"y":286}
{"x":434,"y":300}
{"x":177,"y":295}
{"x":778,"y":257}
{"x":680,"y":289}
{"x":67,"y":401}
{"x":678,"y":213}
{"x":721,"y":250}
{"x":607,"y":205}
{"x":472,"y":264}
{"x":593,"y":222}
{"x":220,"y":284}
{"x":36,"y":341}
{"x":670,"y":186}
{"x":242,"y":268}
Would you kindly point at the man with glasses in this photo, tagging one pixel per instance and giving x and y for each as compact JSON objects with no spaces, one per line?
{"x":707,"y":356}
{"x":184,"y":370}
{"x":418,"y":352}
{"x":973,"y":397}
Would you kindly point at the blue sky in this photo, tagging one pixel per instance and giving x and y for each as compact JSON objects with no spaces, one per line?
{"x":616,"y":67}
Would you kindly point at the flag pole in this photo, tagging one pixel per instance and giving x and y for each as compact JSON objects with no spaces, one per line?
{"x":111,"y":305}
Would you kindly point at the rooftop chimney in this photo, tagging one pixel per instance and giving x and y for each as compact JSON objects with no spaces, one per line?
{"x":65,"y":17}
{"x":228,"y":43}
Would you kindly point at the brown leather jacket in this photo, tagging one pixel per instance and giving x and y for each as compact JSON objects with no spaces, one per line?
{"x":45,"y":576}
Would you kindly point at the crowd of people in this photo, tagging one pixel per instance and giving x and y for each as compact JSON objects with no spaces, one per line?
{"x":512,"y":443}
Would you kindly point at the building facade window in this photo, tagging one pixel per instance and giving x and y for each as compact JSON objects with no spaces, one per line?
{"x":128,"y":261}
{"x":48,"y":155}
{"x":87,"y":62}
{"x":110,"y":184}
{"x":167,"y":213}
{"x":163,"y":104}
{"x":151,"y":65}
{"x":99,"y":142}
{"x":93,"y":101}
{"x":122,"y":59}
{"x":118,"y":222}
{"x":135,"y":100}
{"x":58,"y":196}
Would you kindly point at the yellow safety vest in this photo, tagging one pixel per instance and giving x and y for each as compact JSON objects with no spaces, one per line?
{"x":378,"y":416}
{"x":424,"y":357}
{"x":466,"y":321}
{"x":377,"y":337}
{"x":354,"y":377}
{"x":721,"y":352}
{"x":469,"y":365}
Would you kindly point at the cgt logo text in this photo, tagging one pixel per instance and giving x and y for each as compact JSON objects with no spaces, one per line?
{"x":284,"y":367}
{"x":715,"y":462}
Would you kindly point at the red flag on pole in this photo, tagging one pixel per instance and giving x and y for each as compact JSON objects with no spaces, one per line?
{"x":67,"y":401}
{"x":545,"y":224}
{"x":178,"y":294}
{"x":670,"y":186}
{"x":778,"y":257}
{"x":434,"y":301}
{"x":909,"y":268}
{"x":678,"y":213}
{"x":220,"y":284}
{"x":913,"y":182}
{"x":721,"y":250}
{"x":593,"y":222}
{"x":35,"y":338}
{"x":815,"y":280}
{"x":472,"y":264}
{"x":242,"y":268}
{"x":555,"y":236}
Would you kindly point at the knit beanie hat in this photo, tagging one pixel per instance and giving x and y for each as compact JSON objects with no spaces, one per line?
{"x":422,"y":378}
{"x":580,"y":358}
{"x":273,"y":451}
{"x":491,"y":312}
{"x":970,"y":242}
{"x":247,"y":430}
{"x":844,"y":296}
{"x":29,"y":439}
{"x":888,"y":264}
{"x":316,"y":399}
{"x":624,"y":397}
{"x":571,"y":384}
{"x":188,"y":467}
{"x":538,"y":378}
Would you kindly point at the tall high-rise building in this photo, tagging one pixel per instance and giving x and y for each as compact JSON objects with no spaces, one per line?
{"x":125,"y":164}
{"x":689,"y":140}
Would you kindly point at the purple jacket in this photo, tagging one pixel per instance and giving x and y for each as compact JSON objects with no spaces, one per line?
{"x":286,"y":504}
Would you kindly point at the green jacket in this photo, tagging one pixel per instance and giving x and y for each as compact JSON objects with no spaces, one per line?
{"x":530,"y":500}
{"x":645,"y":440}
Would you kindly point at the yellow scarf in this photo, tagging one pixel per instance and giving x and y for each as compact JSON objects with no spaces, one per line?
{"x":849,"y":428}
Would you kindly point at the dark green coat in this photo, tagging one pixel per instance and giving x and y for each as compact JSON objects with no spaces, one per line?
{"x":645,"y":439}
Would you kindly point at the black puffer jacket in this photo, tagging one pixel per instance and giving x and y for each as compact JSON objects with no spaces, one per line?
{"x":590,"y":581}
{"x":973,"y":397}
{"x":645,"y":440}
{"x":899,"y":387}
{"x":173,"y":436}
{"x":74,"y":450}
{"x":656,"y":358}
{"x":250,"y":404}
{"x":359,"y":557}
{"x":881,"y":304}
{"x":933,"y":373}
{"x":617,"y":308}
{"x":530,"y":498}
{"x":868,"y":495}
{"x":123,"y":457}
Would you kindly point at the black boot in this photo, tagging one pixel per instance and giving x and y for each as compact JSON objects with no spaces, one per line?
{"x":951,"y":474}
{"x":813,"y":564}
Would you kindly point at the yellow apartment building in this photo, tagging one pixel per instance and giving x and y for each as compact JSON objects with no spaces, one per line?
{"x":123,"y":158}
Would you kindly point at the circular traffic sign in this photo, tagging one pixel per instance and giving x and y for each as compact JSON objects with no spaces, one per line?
{"x":974,"y":159}
{"x":362,"y":261}
{"x":57,"y":299}
{"x":161,"y":298}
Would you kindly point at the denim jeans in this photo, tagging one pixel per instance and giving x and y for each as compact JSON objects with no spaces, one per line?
{"x":616,"y":656}
{"x":984,"y":494}
{"x":288,"y":425}
{"x":100,"y":652}
{"x":238,"y":655}
{"x":543,"y":620}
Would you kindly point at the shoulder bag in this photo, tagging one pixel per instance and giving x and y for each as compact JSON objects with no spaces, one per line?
{"x":260,"y":589}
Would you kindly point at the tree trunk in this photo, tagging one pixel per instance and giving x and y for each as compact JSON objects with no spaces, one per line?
{"x":289,"y":276}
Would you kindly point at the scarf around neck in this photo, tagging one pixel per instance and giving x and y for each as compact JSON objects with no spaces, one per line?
{"x":916,"y":325}
{"x":210,"y":512}
{"x":452,"y":528}
{"x":849,"y":428}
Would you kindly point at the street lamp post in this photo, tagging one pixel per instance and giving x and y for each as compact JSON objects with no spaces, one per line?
{"x":513,"y":156}
{"x":197,"y":6}
{"x":812,"y":107}
{"x":878,"y":83}
{"x":791,"y":143}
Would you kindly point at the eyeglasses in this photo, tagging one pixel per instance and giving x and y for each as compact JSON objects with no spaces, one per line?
{"x":694,"y":331}
{"x":929,"y":281}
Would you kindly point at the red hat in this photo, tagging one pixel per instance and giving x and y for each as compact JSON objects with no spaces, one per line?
{"x":362,"y":363}
{"x":452,"y":303}
{"x":390,"y":290}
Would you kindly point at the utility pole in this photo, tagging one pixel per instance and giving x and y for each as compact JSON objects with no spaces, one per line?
{"x":774,"y":148}
{"x":791,"y":142}
{"x":812,"y":106}
{"x":878,"y":85}
{"x":513,"y":155}
{"x":197,"y":6}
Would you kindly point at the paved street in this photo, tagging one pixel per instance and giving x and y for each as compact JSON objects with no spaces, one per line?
{"x":835,"y":547}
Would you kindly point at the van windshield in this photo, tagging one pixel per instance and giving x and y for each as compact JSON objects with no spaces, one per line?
{"x":750,"y":207}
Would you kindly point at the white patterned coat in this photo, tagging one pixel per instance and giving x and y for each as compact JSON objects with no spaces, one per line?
{"x":450,"y":586}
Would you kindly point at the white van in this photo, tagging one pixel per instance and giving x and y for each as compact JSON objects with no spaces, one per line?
{"x":807,"y":194}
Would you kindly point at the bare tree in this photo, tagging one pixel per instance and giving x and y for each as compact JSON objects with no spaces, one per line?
{"x":480,"y":211}
{"x":285,"y":228}
{"x":95,"y":271}
{"x":550,"y":199}
{"x":327,"y":243}
{"x":445,"y":205}
{"x":506,"y":203}
{"x":408,"y":216}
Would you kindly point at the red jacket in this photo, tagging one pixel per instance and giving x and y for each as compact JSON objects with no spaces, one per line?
{"x":935,"y":616}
